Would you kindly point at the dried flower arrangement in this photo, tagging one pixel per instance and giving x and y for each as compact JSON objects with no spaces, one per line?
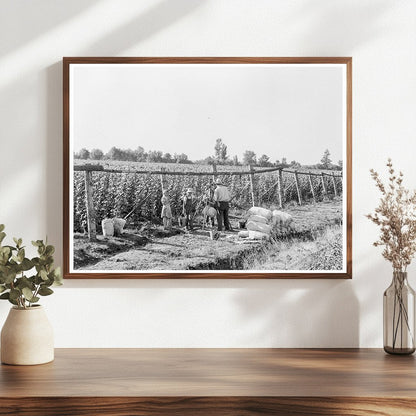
{"x":396,"y":216}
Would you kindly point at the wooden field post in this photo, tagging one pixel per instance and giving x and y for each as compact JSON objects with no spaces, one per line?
{"x":214,"y":170}
{"x":92,"y":232}
{"x":323,"y":184}
{"x":253,"y":200}
{"x":335,"y":185}
{"x":163,"y":180}
{"x":280,"y":187}
{"x":312,"y":190}
{"x":211,"y":188}
{"x":297,"y":187}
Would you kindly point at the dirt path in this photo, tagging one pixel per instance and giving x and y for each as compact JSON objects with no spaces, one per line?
{"x":188,"y":251}
{"x":191,"y":251}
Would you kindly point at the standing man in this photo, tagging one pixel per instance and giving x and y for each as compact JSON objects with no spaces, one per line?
{"x":222,"y":202}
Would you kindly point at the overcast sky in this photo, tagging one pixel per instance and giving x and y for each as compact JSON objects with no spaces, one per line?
{"x":292,"y":111}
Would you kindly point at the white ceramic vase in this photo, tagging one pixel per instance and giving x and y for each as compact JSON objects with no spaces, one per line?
{"x":27,"y":337}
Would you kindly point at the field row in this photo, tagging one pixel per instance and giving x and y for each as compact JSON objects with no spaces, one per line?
{"x":118,"y":194}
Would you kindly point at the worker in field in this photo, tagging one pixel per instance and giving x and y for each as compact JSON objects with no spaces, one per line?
{"x":222,"y":199}
{"x":189,"y":208}
{"x":166,"y":213}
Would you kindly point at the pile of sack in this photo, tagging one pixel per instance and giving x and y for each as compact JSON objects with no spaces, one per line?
{"x":113,"y":226}
{"x":262,"y":223}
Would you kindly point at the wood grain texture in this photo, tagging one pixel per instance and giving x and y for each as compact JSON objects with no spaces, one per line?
{"x":207,"y":406}
{"x":212,"y":381}
{"x":67,"y":61}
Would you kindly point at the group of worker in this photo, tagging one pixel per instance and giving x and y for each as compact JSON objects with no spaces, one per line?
{"x":221,"y":202}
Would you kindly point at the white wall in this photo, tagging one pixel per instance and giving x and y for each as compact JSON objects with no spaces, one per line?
{"x":380,"y":35}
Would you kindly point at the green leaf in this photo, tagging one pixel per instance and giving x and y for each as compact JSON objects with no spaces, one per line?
{"x":26,"y":264}
{"x":13,"y":302}
{"x":2,"y":236}
{"x":58,"y":280}
{"x":49,"y":250}
{"x":4,"y":255}
{"x":21,"y":255}
{"x":2,"y":227}
{"x":8,"y":277}
{"x":15,"y":294}
{"x":2,"y":288}
{"x":45,"y":291}
{"x":28,"y":294}
{"x":5,"y":295}
{"x":38,"y":280}
{"x":5,"y":250}
{"x":48,"y":260}
{"x":24,"y":282}
{"x":43,"y":274}
{"x":37,"y":243}
{"x":18,"y":242}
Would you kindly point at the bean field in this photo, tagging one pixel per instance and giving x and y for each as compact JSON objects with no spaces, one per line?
{"x":120,"y":194}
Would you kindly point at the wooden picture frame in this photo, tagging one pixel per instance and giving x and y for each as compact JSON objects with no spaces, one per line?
{"x":147,"y":97}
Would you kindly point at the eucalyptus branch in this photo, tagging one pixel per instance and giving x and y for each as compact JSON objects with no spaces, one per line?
{"x":16,"y":284}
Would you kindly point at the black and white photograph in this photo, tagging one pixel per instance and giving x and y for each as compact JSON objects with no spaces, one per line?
{"x":207,"y":169}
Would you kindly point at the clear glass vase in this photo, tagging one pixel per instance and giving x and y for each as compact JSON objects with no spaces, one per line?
{"x":399,"y":316}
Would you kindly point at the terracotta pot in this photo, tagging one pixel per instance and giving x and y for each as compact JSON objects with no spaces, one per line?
{"x":27,"y":337}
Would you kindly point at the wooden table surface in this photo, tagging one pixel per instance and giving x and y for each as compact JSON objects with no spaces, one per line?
{"x":212,"y":381}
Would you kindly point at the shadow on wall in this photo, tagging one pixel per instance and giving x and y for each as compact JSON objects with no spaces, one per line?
{"x":158,"y":17}
{"x":37,"y":17}
{"x":54,"y":145}
{"x":330,"y":26}
{"x":308,"y":313}
{"x":301,"y":313}
{"x":142,"y":27}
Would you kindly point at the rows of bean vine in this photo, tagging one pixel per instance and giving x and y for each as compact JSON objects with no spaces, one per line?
{"x":117,"y":194}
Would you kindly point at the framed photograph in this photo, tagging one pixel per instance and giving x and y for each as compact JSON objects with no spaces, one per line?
{"x":207,"y":168}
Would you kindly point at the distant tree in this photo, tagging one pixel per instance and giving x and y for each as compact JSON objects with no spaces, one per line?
{"x":284,"y":163}
{"x":128,"y":155}
{"x":167,"y":158}
{"x":294,"y":164}
{"x":249,"y":158}
{"x":236,"y":162}
{"x":181,"y":158}
{"x":264,"y":161}
{"x":326,"y":161}
{"x":155,"y":156}
{"x":84,"y":153}
{"x":209,"y":160}
{"x":96,"y":154}
{"x":220,"y":151}
{"x":114,"y":154}
{"x":277,"y":163}
{"x":340,"y":164}
{"x":141,"y":155}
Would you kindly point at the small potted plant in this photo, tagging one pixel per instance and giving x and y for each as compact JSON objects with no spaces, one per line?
{"x":27,"y":336}
{"x":396,"y":217}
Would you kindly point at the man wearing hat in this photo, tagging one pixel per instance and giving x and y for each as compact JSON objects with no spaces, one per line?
{"x":189,"y":208}
{"x":222,"y":201}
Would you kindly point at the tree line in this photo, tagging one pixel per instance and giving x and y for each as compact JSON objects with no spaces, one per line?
{"x":220,"y":157}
